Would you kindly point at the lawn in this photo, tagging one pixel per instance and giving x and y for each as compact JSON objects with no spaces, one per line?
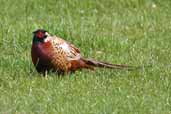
{"x":133,"y":32}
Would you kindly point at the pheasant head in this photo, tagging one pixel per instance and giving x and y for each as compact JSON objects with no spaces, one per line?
{"x":40,"y":36}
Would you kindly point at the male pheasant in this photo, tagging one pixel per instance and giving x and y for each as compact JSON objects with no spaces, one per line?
{"x":51,"y":53}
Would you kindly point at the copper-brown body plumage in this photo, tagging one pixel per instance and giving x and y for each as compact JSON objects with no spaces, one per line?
{"x":55,"y":54}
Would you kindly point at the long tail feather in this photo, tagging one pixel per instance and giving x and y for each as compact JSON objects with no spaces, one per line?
{"x":107,"y":65}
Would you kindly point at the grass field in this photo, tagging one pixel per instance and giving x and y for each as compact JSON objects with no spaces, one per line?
{"x":133,"y":32}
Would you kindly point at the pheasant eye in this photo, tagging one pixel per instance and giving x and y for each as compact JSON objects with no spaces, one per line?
{"x":40,"y":35}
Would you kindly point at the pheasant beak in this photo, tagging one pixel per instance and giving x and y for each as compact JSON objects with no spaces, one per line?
{"x":48,"y":38}
{"x":47,"y":34}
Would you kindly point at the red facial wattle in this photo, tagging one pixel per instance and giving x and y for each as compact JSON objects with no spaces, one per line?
{"x":40,"y":35}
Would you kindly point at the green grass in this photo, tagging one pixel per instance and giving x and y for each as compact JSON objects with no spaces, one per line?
{"x":134,"y":32}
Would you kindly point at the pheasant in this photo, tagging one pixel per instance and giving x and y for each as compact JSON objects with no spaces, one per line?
{"x":52,"y":53}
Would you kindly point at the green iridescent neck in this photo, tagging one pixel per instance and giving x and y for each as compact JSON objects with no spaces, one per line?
{"x":36,"y":40}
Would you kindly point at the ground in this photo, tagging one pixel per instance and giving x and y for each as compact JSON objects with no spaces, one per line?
{"x":133,"y":32}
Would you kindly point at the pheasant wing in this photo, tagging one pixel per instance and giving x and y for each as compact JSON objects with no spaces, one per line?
{"x":71,"y":52}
